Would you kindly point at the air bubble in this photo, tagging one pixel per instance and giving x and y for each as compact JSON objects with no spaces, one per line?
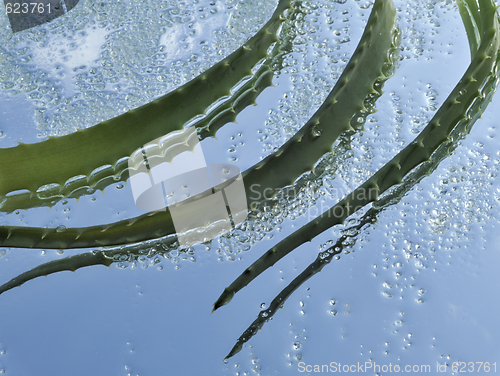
{"x":316,"y":131}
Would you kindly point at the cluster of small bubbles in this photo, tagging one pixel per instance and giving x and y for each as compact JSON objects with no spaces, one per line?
{"x":465,"y":191}
{"x":420,"y":28}
{"x":431,"y":95}
{"x":313,"y":58}
{"x":364,"y":4}
{"x":70,"y":93}
{"x":261,"y":223}
{"x":245,"y":17}
{"x":152,"y":253}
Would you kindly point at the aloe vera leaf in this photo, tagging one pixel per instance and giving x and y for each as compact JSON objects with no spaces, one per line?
{"x":453,"y":113}
{"x":78,"y":261}
{"x":101,"y":178}
{"x":299,"y":154}
{"x":360,"y":78}
{"x":69,"y":263}
{"x":72,"y":263}
{"x":59,"y":159}
{"x":470,"y":23}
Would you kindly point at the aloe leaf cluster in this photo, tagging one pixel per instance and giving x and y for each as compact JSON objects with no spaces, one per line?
{"x":368,"y":68}
{"x":361,"y":81}
{"x":453,"y":120}
{"x":231,"y":86}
